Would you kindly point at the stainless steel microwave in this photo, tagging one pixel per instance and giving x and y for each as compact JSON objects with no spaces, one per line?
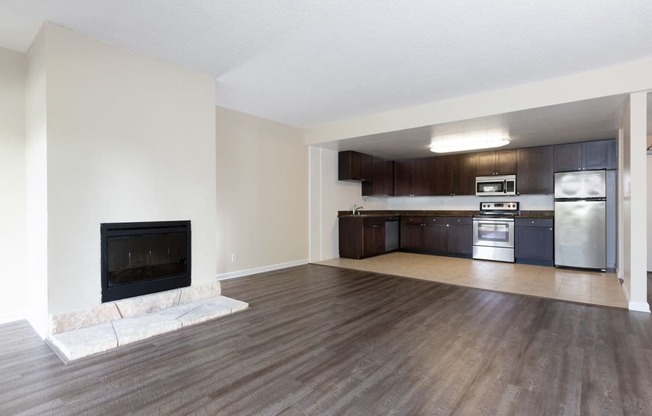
{"x":495,"y":185}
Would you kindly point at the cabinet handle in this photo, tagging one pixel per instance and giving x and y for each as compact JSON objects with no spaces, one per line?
{"x":532,"y":222}
{"x":374,"y":226}
{"x":448,"y":225}
{"x":551,"y":229}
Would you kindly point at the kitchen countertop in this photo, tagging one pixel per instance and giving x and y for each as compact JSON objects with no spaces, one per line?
{"x":440,"y":213}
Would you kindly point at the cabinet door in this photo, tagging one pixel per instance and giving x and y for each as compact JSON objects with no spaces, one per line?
{"x":465,"y":174}
{"x":435,"y":235}
{"x":566,"y":157}
{"x":534,"y":170}
{"x":382,"y":179}
{"x":374,"y":237}
{"x":403,"y":172}
{"x":505,"y":162}
{"x":501,"y":162}
{"x":424,"y":177}
{"x":460,"y":236}
{"x":485,"y":164}
{"x":598,"y":155}
{"x":354,"y":166}
{"x":444,"y":175}
{"x":534,"y":241}
{"x":350,"y":237}
{"x":386,"y":187}
{"x":412,"y":233}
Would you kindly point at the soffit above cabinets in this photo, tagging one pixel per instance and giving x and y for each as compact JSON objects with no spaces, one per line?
{"x":565,"y":123}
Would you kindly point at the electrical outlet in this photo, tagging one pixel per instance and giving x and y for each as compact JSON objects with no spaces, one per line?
{"x":234,"y":258}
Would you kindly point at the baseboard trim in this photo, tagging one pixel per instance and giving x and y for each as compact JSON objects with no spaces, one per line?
{"x":639,"y":306}
{"x":262,"y":269}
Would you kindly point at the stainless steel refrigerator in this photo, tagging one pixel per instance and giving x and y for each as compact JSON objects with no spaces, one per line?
{"x":580,"y":219}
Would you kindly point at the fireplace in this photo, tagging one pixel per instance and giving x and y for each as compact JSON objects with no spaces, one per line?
{"x":144,"y":257}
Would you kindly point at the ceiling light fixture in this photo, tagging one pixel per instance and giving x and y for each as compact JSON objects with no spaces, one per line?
{"x":449,"y":145}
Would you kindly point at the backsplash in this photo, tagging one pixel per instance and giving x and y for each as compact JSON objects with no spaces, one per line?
{"x":527,"y":202}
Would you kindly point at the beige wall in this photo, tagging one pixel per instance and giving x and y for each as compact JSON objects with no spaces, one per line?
{"x":262,"y":194}
{"x":128,"y":139}
{"x":12,"y":186}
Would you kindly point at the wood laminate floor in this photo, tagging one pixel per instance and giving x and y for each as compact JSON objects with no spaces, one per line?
{"x":321,"y":340}
{"x":583,"y":286}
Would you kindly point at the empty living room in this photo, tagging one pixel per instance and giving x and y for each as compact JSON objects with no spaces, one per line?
{"x":325,"y":208}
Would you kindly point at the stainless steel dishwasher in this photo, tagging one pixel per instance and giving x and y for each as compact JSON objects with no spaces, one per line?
{"x":391,"y":234}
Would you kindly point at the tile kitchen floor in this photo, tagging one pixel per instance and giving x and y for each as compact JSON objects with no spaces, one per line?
{"x":548,"y":282}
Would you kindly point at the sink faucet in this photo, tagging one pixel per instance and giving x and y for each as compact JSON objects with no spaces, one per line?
{"x":356,"y":208}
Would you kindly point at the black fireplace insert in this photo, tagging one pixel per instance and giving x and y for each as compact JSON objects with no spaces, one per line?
{"x":144,"y":257}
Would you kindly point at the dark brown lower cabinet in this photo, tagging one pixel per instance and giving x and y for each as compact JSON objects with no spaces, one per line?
{"x":534,"y":241}
{"x":361,"y":237}
{"x":412,"y":234}
{"x":460,"y":236}
{"x":436,"y":235}
{"x":449,"y":236}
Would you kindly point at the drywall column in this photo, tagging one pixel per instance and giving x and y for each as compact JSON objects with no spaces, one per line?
{"x":635,"y":202}
{"x":36,"y":185}
{"x":112,"y":136}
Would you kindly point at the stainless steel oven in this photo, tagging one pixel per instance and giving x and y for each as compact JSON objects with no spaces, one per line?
{"x":493,"y":231}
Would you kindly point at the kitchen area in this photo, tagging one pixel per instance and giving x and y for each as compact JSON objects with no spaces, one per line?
{"x":538,"y":221}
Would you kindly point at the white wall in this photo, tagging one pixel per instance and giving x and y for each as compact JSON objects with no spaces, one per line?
{"x":129,"y":138}
{"x":13,"y":297}
{"x":649,"y":213}
{"x":262,"y":194}
{"x":36,"y":184}
{"x":633,"y":206}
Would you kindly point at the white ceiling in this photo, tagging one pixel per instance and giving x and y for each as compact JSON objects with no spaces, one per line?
{"x":311,"y":62}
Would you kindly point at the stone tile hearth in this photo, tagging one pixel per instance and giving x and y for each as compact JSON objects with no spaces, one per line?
{"x":113,"y":324}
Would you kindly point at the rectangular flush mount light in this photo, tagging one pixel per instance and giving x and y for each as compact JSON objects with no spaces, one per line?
{"x":458,"y":144}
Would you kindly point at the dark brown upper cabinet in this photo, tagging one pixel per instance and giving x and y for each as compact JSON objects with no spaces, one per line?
{"x":382,"y":179}
{"x":534,"y":170}
{"x":455,"y":174}
{"x":465,"y":174}
{"x":599,"y":154}
{"x":414,"y":177}
{"x":354,"y":166}
{"x":445,"y":172}
{"x":501,"y":162}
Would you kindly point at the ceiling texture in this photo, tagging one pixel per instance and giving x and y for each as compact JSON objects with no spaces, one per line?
{"x":312,"y":62}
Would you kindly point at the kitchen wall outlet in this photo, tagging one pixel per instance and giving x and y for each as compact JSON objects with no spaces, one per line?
{"x":234,"y":258}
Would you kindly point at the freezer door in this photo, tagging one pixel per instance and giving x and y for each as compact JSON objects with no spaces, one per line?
{"x":580,"y":185}
{"x":580,"y":234}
